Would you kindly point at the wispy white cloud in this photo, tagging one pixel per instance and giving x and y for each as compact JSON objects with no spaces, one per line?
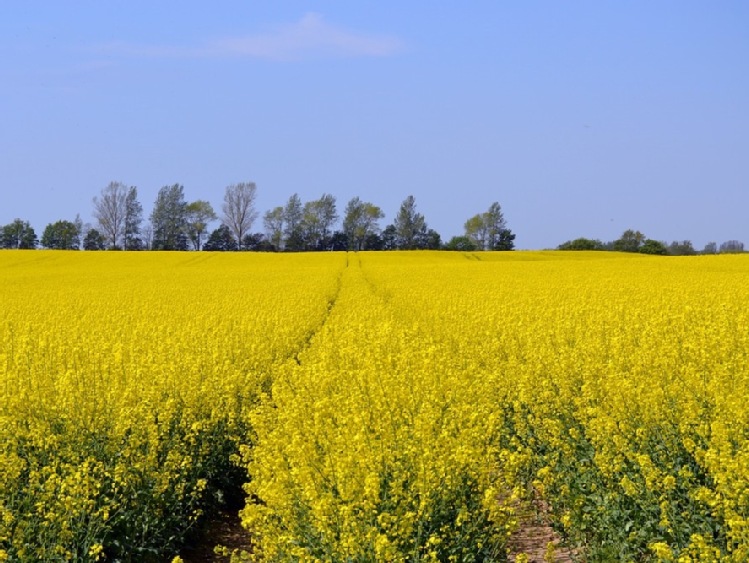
{"x":309,"y":38}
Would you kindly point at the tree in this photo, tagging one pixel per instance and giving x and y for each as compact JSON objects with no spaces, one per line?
{"x":94,"y":240}
{"x":476,"y":230}
{"x":731,"y":246}
{"x":198,"y":214}
{"x":461,"y":243}
{"x":147,"y":236}
{"x":18,"y":235}
{"x":239,"y":209}
{"x":110,"y":211}
{"x":505,"y":241}
{"x":295,"y":241}
{"x":318,"y":218}
{"x":630,"y":241}
{"x":80,"y":228}
{"x":431,"y":240}
{"x":372,"y":242}
{"x":581,"y":244}
{"x":497,"y":231}
{"x":327,"y":215}
{"x":133,"y":218}
{"x":409,"y":225}
{"x":361,"y":221}
{"x":389,"y":238}
{"x":652,"y":246}
{"x":292,"y":219}
{"x":488,"y":230}
{"x":681,"y":248}
{"x":274,"y":227}
{"x":339,"y":241}
{"x":710,"y":248}
{"x":61,"y":235}
{"x":169,"y":219}
{"x":221,"y":239}
{"x":257,"y":242}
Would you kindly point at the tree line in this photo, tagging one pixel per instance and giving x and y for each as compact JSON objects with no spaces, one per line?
{"x":176,"y":224}
{"x":635,"y":241}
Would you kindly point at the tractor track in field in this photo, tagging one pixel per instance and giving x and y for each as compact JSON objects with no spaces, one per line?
{"x":532,"y":539}
{"x":224,"y":528}
{"x":307,"y":341}
{"x":537,"y":540}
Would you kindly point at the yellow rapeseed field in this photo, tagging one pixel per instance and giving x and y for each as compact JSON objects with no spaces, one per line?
{"x":126,"y":380}
{"x":399,"y":406}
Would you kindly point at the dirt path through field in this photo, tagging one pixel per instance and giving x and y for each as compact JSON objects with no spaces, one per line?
{"x":224,"y":529}
{"x":537,"y":539}
{"x":532,"y":539}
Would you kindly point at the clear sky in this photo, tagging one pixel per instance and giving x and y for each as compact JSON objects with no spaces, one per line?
{"x":580,"y":118}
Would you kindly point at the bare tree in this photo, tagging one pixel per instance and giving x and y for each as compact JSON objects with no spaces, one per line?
{"x":110,"y":211}
{"x":239,"y":209}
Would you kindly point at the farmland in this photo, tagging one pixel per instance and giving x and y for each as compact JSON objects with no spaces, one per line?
{"x":378,"y":406}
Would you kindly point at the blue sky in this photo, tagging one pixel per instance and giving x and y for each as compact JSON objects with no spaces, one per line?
{"x":580,"y":118}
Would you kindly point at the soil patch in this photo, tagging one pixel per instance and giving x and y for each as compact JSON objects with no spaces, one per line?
{"x":225,"y":529}
{"x":537,"y":539}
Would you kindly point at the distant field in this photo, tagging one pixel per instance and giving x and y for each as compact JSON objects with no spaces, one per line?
{"x":381,"y":406}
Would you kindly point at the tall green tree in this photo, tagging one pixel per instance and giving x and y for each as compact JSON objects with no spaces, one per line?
{"x":318,"y":219}
{"x":132,"y":239}
{"x":327,"y":215}
{"x":256,"y":242}
{"x":505,"y":240}
{"x":339,"y":241}
{"x":630,"y":241}
{"x":239,"y":209}
{"x":169,"y":219}
{"x":221,"y":240}
{"x":581,"y":244}
{"x":410,"y":226}
{"x":61,"y":235}
{"x":652,"y":246}
{"x":293,"y":213}
{"x":360,"y":222}
{"x":429,"y":239}
{"x":274,"y":227}
{"x":18,"y":235}
{"x":461,"y":243}
{"x":476,"y":231}
{"x":94,"y":240}
{"x":199,"y":214}
{"x":81,"y":228}
{"x":389,"y":238}
{"x":489,"y":231}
